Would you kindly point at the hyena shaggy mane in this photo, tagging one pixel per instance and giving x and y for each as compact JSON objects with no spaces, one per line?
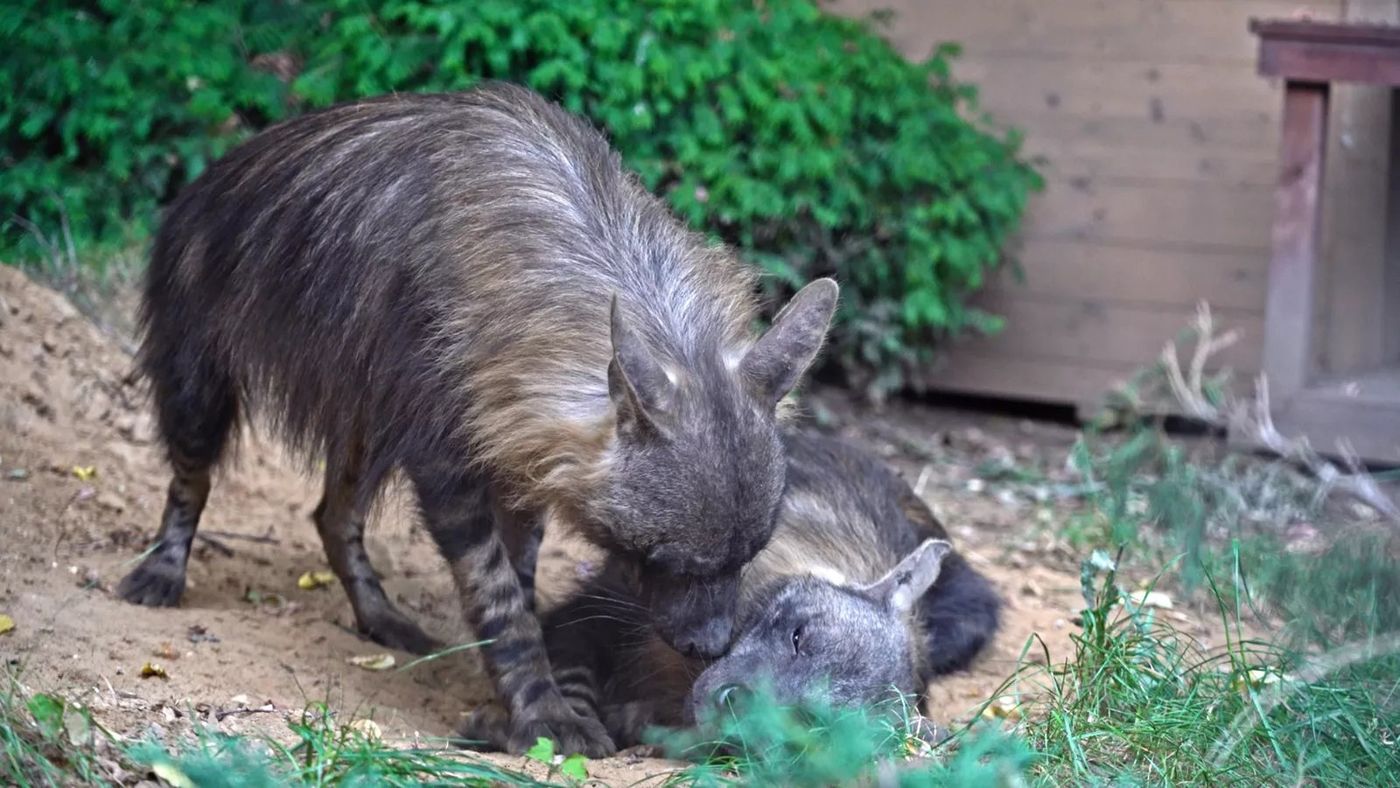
{"x":471,"y":289}
{"x":857,"y":596}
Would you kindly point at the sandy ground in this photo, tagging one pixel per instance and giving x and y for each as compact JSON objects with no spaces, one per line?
{"x":81,"y":488}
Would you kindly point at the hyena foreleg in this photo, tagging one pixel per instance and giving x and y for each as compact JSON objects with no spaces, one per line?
{"x":522,"y":533}
{"x":341,"y":524}
{"x":457,"y":510}
{"x":486,"y":728}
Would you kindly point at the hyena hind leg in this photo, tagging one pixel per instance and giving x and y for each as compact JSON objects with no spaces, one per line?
{"x":961,"y":615}
{"x":630,"y":723}
{"x":341,"y":525}
{"x":582,"y":636}
{"x":196,"y":409}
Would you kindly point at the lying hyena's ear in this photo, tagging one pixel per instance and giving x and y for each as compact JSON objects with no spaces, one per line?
{"x":908,"y":581}
{"x":777,"y":360}
{"x":637,"y":383}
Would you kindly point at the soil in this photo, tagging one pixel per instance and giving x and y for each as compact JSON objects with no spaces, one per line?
{"x":82,"y":484}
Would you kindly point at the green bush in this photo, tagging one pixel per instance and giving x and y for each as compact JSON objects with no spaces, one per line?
{"x":800,"y":138}
{"x":111,"y":106}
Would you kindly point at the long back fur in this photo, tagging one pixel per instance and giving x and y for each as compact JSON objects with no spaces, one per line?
{"x":439,"y":267}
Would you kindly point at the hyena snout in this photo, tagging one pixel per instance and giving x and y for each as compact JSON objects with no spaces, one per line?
{"x":694,"y":616}
{"x":726,"y":687}
{"x":729,"y":697}
{"x":707,"y":640}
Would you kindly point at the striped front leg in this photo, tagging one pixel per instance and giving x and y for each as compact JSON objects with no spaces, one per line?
{"x":457,"y":512}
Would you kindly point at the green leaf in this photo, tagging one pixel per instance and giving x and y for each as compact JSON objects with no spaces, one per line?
{"x":542,"y":751}
{"x":575,"y":767}
{"x":47,"y":711}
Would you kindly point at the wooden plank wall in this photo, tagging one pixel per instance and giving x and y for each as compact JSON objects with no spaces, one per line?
{"x":1159,"y":143}
{"x":1353,"y":291}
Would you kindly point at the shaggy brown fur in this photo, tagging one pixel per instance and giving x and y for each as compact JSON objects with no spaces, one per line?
{"x":472,"y":289}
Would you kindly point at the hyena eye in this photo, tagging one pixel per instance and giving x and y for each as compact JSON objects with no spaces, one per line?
{"x":797,"y":641}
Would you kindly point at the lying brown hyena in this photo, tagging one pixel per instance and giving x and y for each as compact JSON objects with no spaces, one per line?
{"x":471,"y":289}
{"x":857,"y":597}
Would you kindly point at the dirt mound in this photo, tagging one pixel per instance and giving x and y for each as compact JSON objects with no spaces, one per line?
{"x":82,"y":485}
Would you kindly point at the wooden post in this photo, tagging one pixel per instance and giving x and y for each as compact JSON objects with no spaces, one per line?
{"x":1288,"y":316}
{"x":1392,"y":241}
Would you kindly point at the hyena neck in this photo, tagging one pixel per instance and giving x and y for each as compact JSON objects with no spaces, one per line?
{"x":565,"y":467}
{"x":549,"y":431}
{"x":827,"y":537}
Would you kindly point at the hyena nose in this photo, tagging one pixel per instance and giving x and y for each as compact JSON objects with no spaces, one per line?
{"x":731,"y":695}
{"x":706,"y":641}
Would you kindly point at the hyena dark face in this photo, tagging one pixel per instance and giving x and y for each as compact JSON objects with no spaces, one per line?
{"x":697,"y":471}
{"x":823,"y":639}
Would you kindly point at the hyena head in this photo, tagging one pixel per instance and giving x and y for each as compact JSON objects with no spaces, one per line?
{"x":697,"y":468}
{"x":818,"y":640}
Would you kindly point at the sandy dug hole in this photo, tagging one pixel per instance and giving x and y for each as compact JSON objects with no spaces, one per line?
{"x":68,"y":401}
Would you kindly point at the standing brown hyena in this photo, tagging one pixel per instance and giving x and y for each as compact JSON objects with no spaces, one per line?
{"x":472,"y":289}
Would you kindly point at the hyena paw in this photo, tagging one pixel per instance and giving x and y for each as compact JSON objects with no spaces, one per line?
{"x":156,"y":582}
{"x":394,"y":630}
{"x":486,"y":729}
{"x":638,"y":751}
{"x":571,"y":733}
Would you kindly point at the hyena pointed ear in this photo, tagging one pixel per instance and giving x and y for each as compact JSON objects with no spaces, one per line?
{"x":908,"y":581}
{"x":775,"y":363}
{"x":637,"y":383}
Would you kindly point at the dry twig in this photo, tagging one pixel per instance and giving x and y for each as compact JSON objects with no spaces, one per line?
{"x":1253,"y":419}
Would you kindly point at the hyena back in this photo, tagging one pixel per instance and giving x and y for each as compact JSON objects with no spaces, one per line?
{"x":471,"y":288}
{"x":857,"y":595}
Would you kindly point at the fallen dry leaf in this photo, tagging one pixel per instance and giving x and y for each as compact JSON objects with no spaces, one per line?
{"x":373,"y":661}
{"x":270,"y":599}
{"x":1258,"y":678}
{"x":153,"y":670}
{"x":84,"y":472}
{"x":317,"y":579}
{"x":369,"y":729}
{"x":1005,"y":708}
{"x":171,"y":773}
{"x":1153,"y":599}
{"x":7,"y":624}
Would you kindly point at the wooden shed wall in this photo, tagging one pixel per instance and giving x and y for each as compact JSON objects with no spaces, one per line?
{"x":1159,"y":143}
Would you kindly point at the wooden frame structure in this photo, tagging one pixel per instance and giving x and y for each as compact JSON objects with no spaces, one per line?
{"x":1362,"y":410}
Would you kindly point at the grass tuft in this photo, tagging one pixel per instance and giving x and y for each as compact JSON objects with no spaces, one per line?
{"x":47,"y":741}
{"x":1139,"y":702}
{"x":817,"y":744}
{"x":323,"y":754}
